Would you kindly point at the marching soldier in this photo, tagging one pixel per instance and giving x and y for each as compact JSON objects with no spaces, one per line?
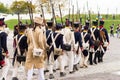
{"x":68,"y":45}
{"x":87,"y":43}
{"x":60,"y":54}
{"x":105,"y":41}
{"x":48,"y":33}
{"x":112,"y":30}
{"x":36,"y":41}
{"x":56,"y":39}
{"x":20,"y":50}
{"x":3,"y":50}
{"x":3,"y":43}
{"x":95,"y":35}
{"x":50,"y":61}
{"x":77,"y":45}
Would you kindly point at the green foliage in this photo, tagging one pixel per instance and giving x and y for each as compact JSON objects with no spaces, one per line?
{"x":3,"y":9}
{"x":21,"y":7}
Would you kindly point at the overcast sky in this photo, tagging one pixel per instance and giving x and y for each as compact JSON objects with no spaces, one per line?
{"x":110,"y":6}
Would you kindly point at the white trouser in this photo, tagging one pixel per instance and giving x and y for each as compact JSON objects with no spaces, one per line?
{"x":5,"y":69}
{"x":83,"y":60}
{"x":61,"y":62}
{"x":18,"y":66}
{"x":46,"y":64}
{"x":76,"y":58}
{"x":40,"y":74}
{"x":51,"y":63}
{"x":70,"y":55}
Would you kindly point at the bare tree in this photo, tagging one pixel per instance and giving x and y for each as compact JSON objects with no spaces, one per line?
{"x":47,"y":6}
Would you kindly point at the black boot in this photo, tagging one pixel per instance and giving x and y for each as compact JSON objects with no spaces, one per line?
{"x":3,"y":78}
{"x":90,"y":58}
{"x":54,"y":70}
{"x":95,"y":57}
{"x":14,"y":78}
{"x":51,"y":76}
{"x":102,"y":54}
{"x":62,"y":74}
{"x":75,"y":68}
{"x":99,"y":56}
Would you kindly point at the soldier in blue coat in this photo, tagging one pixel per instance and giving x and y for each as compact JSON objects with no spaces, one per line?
{"x":56,"y":41}
{"x":87,"y":44}
{"x":95,"y":35}
{"x":3,"y":43}
{"x":21,"y":49}
{"x":49,"y":31}
{"x":77,"y":45}
{"x":104,"y":41}
{"x":3,"y":49}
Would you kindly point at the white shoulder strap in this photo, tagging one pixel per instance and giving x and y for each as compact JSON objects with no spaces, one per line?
{"x":83,"y":37}
{"x":53,"y":39}
{"x":17,"y":43}
{"x":92,"y":32}
{"x":49,"y":35}
{"x":1,"y":31}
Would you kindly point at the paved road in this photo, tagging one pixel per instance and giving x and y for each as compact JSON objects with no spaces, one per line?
{"x":108,"y":70}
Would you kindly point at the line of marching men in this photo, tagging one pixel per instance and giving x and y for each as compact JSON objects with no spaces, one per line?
{"x":57,"y":47}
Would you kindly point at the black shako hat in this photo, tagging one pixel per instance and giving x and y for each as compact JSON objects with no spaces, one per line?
{"x":2,"y":21}
{"x":87,"y":23}
{"x":58,"y":26}
{"x":95,"y":23}
{"x":76,"y":24}
{"x":86,"y":27}
{"x":22,"y":26}
{"x":102,"y":22}
{"x":49,"y":23}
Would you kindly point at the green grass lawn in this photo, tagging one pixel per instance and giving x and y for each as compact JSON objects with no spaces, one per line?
{"x":108,"y":21}
{"x":11,"y":23}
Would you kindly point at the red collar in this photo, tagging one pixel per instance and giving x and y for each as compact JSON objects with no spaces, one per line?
{"x":100,"y":27}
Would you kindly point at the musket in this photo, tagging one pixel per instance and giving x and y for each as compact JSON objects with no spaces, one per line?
{"x":30,"y":13}
{"x":43,"y":15}
{"x":61,"y":15}
{"x":80,"y":18}
{"x":84,"y":14}
{"x":89,"y":18}
{"x":98,"y":17}
{"x":89,"y":14}
{"x":54,"y":18}
{"x":42,"y":11}
{"x":69,"y":10}
{"x":77,"y":11}
{"x":72,"y":15}
{"x":53,"y":13}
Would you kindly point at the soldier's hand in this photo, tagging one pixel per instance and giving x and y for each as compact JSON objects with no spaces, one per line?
{"x":81,"y":48}
{"x":92,"y":46}
{"x":7,"y":54}
{"x":62,"y":52}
